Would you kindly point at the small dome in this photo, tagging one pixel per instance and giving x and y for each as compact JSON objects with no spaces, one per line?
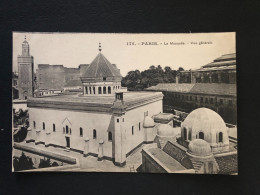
{"x":165,"y":130}
{"x":148,"y":122}
{"x":199,"y":147}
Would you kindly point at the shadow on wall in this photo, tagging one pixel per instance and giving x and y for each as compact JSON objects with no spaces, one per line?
{"x":111,"y":128}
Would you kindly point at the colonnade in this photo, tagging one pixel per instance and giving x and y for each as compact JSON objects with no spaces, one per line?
{"x":101,"y":90}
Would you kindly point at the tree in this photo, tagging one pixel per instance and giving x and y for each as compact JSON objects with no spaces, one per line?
{"x":45,"y":163}
{"x":136,"y":80}
{"x":23,"y":163}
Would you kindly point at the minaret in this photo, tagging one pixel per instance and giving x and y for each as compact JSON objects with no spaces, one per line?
{"x":25,"y":69}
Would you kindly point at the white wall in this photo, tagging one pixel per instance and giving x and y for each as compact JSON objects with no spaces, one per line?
{"x":132,"y":118}
{"x":88,"y":121}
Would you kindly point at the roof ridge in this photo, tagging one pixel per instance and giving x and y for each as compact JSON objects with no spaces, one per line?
{"x":108,"y":64}
{"x":97,"y":64}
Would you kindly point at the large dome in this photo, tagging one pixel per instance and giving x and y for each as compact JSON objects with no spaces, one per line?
{"x":165,"y":130}
{"x":199,"y":147}
{"x":208,"y":125}
{"x":204,"y":119}
{"x":148,"y":122}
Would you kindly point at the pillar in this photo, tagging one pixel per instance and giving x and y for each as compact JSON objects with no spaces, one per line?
{"x":96,"y":90}
{"x":202,"y":78}
{"x":118,"y":139}
{"x":37,"y":137}
{"x":86,"y":147}
{"x":210,"y":78}
{"x":47,"y":138}
{"x":29,"y":135}
{"x":219,"y":77}
{"x":100,"y":150}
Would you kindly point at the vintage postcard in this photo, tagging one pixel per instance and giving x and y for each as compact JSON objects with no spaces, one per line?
{"x":108,"y":102}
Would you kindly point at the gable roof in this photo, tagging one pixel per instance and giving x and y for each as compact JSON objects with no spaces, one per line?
{"x":101,"y":67}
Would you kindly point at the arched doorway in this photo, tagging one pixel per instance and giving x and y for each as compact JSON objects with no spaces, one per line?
{"x":201,"y":135}
{"x":220,"y":137}
{"x":185,"y":133}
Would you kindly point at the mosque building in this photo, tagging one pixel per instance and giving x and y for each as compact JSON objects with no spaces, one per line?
{"x":203,"y":144}
{"x":104,"y":120}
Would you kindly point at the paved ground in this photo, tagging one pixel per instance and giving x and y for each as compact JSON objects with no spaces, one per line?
{"x":91,"y":163}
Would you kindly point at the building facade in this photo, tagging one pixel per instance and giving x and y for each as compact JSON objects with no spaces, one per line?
{"x":25,"y":72}
{"x":221,"y":70}
{"x":220,"y":97}
{"x":103,"y":120}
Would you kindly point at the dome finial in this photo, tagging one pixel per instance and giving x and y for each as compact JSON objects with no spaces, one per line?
{"x":99,"y":47}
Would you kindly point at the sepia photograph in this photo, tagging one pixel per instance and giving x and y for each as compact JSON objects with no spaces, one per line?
{"x":124,"y":102}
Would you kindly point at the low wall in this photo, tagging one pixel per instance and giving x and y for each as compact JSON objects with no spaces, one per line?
{"x":74,"y":162}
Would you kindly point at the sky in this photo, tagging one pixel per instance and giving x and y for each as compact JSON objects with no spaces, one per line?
{"x":73,"y":49}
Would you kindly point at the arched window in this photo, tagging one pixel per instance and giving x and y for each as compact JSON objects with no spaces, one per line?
{"x":43,"y":126}
{"x":86,"y":88}
{"x":109,"y":90}
{"x":94,"y":90}
{"x":67,"y":129}
{"x":94,"y":134}
{"x":139,"y":126}
{"x":104,"y":90}
{"x":34,"y":124}
{"x":189,"y":134}
{"x":220,"y":137}
{"x":70,"y":131}
{"x":99,"y":90}
{"x":90,"y":90}
{"x":185,"y":133}
{"x":54,"y":129}
{"x":109,"y":136}
{"x":80,"y":132}
{"x":63,"y":130}
{"x":201,"y":135}
{"x":132,"y":130}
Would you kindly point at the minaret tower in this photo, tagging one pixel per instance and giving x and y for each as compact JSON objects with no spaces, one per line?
{"x":25,"y":69}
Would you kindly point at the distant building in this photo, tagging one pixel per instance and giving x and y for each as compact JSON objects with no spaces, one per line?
{"x":58,"y":77}
{"x":221,"y":70}
{"x":104,"y":120}
{"x":186,"y":97}
{"x":201,"y":145}
{"x":26,"y":74}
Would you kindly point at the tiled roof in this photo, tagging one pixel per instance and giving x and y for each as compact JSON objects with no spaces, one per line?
{"x":172,"y":87}
{"x":214,"y":89}
{"x":226,"y":57}
{"x":227,"y":164}
{"x":220,"y":63}
{"x":178,"y":152}
{"x":101,"y":67}
{"x":166,"y":160}
{"x":197,"y":88}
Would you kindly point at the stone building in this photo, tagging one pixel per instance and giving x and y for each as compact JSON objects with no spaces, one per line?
{"x":25,"y":72}
{"x":221,"y":70}
{"x":186,"y":97}
{"x":58,"y":77}
{"x":202,"y":145}
{"x":103,"y":120}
